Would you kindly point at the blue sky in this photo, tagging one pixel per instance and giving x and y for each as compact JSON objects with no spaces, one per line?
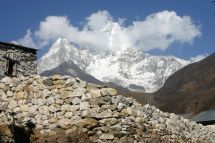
{"x":19,"y":16}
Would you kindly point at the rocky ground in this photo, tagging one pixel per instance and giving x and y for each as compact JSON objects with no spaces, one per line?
{"x":65,"y":109}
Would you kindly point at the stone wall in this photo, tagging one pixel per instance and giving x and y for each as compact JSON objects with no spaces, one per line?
{"x":66,"y":109}
{"x":27,"y":61}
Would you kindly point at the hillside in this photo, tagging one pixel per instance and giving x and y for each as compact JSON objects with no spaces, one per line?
{"x":190,"y":89}
{"x":71,"y":69}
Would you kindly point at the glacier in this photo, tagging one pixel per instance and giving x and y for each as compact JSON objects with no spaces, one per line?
{"x":130,"y":68}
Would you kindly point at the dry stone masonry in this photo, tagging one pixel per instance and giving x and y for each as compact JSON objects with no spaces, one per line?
{"x":66,"y":109}
{"x":17,"y":60}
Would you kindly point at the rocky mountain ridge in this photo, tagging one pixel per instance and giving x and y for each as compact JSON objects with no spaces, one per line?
{"x":65,"y":109}
{"x":71,"y":69}
{"x":129,"y":68}
{"x":193,"y":86}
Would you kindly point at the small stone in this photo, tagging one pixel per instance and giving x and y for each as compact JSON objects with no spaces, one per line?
{"x":108,"y":122}
{"x":108,"y":91}
{"x":53,"y":120}
{"x":50,"y":100}
{"x":74,"y":108}
{"x":69,"y":88}
{"x":60,"y":114}
{"x":91,"y":86}
{"x":70,"y":82}
{"x":2,"y":85}
{"x":120,"y":106}
{"x":76,"y":101}
{"x":105,"y":114}
{"x":78,"y":92}
{"x":65,"y":107}
{"x":56,"y":77}
{"x":84,"y":105}
{"x":85,"y":113}
{"x":46,"y":93}
{"x":39,"y":127}
{"x":86,"y":97}
{"x":6,"y":79}
{"x":19,"y":88}
{"x":59,"y":101}
{"x":146,"y":106}
{"x":48,"y":82}
{"x":127,"y":111}
{"x":95,"y":93}
{"x":43,"y":110}
{"x":141,"y":113}
{"x":54,"y":91}
{"x":59,"y":82}
{"x":58,"y":86}
{"x":87,"y":123}
{"x":106,"y":137}
{"x":45,"y":123}
{"x":116,"y":128}
{"x":4,"y":107}
{"x":66,"y":94}
{"x":64,"y":123}
{"x":12,"y":104}
{"x":3,"y":95}
{"x":29,"y":88}
{"x":33,"y":109}
{"x":68,"y":114}
{"x":54,"y":107}
{"x":9,"y":93}
{"x":97,"y":101}
{"x":83,"y":84}
{"x":16,"y":109}
{"x":19,"y":95}
{"x":52,"y":127}
{"x":24,"y":108}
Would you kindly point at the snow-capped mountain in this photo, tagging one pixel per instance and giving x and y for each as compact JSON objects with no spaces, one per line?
{"x":128,"y":68}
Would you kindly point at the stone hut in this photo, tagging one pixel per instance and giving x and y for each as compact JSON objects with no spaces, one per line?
{"x":17,"y":60}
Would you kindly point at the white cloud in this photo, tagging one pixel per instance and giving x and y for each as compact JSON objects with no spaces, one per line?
{"x":98,"y":20}
{"x":102,"y":31}
{"x":54,"y":27}
{"x":198,"y":58}
{"x":27,"y":40}
{"x":161,"y":29}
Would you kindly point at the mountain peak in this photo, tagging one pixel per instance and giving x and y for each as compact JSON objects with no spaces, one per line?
{"x":128,"y":67}
{"x":61,"y":41}
{"x":130,"y":51}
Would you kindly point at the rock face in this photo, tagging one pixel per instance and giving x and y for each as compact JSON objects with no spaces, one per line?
{"x":66,"y":109}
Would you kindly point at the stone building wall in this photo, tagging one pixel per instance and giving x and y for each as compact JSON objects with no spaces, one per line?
{"x":25,"y":61}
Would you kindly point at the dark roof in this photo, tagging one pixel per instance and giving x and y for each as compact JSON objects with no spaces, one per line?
{"x":212,"y":122}
{"x":10,"y":45}
{"x":205,"y":117}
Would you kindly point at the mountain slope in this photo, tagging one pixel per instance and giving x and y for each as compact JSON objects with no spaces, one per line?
{"x":71,"y":69}
{"x":191,"y":89}
{"x":129,"y":68}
